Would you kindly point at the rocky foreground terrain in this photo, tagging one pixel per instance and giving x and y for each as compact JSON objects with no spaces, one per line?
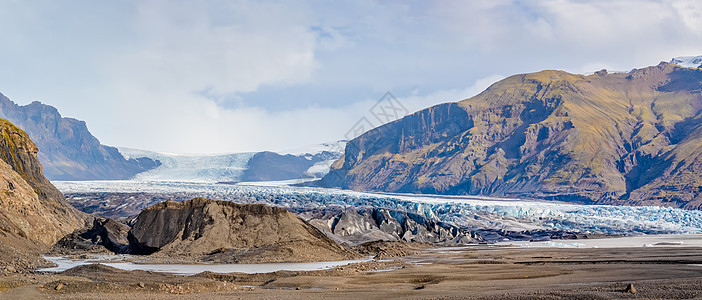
{"x":33,"y":213}
{"x":608,"y":138}
{"x":476,"y":273}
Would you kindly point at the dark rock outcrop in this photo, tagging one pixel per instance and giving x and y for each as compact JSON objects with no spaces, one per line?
{"x":229,"y":232}
{"x":266,"y":166}
{"x":608,"y":138}
{"x":33,"y":213}
{"x":67,"y":150}
{"x":354,"y":226}
{"x":105,"y":235}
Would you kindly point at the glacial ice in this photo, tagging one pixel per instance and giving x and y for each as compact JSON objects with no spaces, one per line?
{"x":221,"y":167}
{"x":191,"y":167}
{"x":471,"y":212}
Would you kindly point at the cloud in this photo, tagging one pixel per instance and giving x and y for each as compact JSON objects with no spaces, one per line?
{"x":690,"y":11}
{"x":223,"y":76}
{"x":199,"y":125}
{"x":185,"y":47}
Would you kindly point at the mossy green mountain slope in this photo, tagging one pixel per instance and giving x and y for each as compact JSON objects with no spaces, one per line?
{"x":620,"y":138}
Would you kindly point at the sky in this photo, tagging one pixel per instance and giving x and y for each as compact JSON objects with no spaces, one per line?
{"x":236,"y":76}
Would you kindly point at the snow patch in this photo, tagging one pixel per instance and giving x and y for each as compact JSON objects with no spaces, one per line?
{"x":688,"y":61}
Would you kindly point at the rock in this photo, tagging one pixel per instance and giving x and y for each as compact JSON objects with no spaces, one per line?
{"x":141,"y":285}
{"x":355,"y":226}
{"x":104,"y":234}
{"x":10,"y":269}
{"x":251,"y":232}
{"x":630,"y":289}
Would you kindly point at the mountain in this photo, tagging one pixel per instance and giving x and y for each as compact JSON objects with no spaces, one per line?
{"x":226,"y":231}
{"x":33,"y":213}
{"x":66,"y":148}
{"x":613,"y":138}
{"x":309,"y":162}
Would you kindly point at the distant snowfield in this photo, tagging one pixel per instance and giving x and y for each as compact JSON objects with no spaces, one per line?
{"x":191,"y":167}
{"x":471,"y":212}
{"x":224,"y":167}
{"x":688,"y":61}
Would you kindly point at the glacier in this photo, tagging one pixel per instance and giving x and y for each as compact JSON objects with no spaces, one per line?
{"x":191,"y":167}
{"x":469,"y":212}
{"x":231,"y":167}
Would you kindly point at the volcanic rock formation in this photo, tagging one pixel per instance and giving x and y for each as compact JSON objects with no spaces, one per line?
{"x":229,"y":232}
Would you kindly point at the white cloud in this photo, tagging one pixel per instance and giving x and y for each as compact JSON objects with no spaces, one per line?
{"x":184,"y":47}
{"x":223,"y":76}
{"x":200,"y":125}
{"x":691,"y":13}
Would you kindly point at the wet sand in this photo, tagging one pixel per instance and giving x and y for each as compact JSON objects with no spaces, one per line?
{"x":485,"y":272}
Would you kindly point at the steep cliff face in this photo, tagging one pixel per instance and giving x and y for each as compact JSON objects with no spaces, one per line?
{"x":622,"y":138}
{"x":33,"y":213}
{"x":226,"y":231}
{"x":67,"y":149}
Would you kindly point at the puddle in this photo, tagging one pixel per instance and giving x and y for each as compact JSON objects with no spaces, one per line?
{"x":191,"y":269}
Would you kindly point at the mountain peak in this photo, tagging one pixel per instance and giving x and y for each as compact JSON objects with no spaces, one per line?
{"x":688,"y":61}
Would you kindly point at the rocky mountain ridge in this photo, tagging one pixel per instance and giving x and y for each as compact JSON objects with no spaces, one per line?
{"x":623,"y":138}
{"x":67,"y":150}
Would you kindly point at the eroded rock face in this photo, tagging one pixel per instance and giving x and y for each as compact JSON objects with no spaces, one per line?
{"x":613,"y":138}
{"x":33,"y":213}
{"x":354,"y":226}
{"x":226,"y":231}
